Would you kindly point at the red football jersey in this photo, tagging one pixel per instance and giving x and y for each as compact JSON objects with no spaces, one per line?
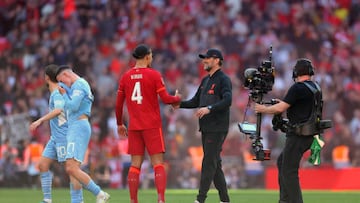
{"x":139,"y":88}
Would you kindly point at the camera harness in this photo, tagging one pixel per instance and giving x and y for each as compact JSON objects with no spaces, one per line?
{"x":311,"y":126}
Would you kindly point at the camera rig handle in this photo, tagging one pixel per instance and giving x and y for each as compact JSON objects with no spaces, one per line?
{"x":258,"y":120}
{"x":258,"y":148}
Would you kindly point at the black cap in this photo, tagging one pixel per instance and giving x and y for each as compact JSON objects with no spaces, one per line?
{"x":212,"y":53}
{"x":141,"y":51}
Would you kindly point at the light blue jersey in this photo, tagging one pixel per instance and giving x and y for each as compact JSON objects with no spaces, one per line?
{"x":56,"y":147}
{"x":80,"y":101}
{"x":79,"y":131}
{"x":58,"y":125}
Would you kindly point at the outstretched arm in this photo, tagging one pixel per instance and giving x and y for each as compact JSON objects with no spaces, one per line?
{"x":167,"y":98}
{"x":273,"y":109}
{"x":48,"y":116}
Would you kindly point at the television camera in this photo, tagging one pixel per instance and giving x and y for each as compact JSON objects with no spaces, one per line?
{"x":259,"y":81}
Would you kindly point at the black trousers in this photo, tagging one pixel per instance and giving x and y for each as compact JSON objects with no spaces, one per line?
{"x":288,"y":167}
{"x":211,"y":166}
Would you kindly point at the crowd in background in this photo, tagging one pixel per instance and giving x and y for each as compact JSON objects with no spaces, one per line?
{"x":96,"y":38}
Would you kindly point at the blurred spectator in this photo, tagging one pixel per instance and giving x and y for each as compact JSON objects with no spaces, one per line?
{"x":10,"y":168}
{"x":102,"y":173}
{"x":188,"y":173}
{"x":32,"y":155}
{"x":355,"y":126}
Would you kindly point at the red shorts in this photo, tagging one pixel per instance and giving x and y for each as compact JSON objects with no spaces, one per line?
{"x":150,"y":139}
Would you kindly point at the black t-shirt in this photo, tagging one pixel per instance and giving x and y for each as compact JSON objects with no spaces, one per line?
{"x":300,"y":98}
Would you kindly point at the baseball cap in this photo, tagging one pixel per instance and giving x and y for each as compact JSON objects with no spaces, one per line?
{"x":212,"y":53}
{"x":141,"y":51}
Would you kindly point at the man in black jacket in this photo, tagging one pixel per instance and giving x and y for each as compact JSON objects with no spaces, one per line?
{"x":213,"y":100}
{"x":298,"y":103}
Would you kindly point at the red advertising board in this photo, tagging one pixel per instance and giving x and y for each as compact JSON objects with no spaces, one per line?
{"x":320,"y":178}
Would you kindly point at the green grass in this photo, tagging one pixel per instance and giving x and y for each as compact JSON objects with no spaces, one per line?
{"x":180,"y":196}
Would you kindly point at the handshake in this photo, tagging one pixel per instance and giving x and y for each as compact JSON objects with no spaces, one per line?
{"x":201,"y":111}
{"x":176,"y":105}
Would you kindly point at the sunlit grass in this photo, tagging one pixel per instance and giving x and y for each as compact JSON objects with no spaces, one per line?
{"x":180,"y":196}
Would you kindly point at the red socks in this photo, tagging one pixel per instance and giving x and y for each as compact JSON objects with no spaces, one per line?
{"x":160,"y":181}
{"x":133,"y":182}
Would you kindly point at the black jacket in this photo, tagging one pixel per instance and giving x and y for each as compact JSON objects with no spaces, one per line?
{"x":214,"y":92}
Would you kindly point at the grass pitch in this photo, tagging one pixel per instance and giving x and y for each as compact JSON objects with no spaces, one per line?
{"x":180,"y":196}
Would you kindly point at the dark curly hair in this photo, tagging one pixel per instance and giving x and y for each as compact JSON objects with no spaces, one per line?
{"x":51,"y":71}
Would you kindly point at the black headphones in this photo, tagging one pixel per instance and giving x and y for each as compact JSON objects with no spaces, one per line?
{"x":303,"y":66}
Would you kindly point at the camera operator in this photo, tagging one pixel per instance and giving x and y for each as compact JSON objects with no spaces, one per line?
{"x":298,"y":103}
